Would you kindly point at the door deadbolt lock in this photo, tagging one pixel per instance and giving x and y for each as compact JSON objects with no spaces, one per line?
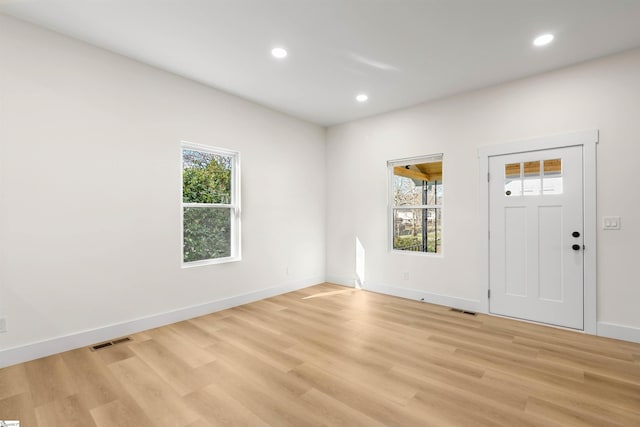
{"x":576,"y":234}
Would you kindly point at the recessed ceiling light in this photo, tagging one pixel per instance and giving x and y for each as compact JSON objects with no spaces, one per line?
{"x":278,"y":52}
{"x":362,"y":97}
{"x":543,"y":40}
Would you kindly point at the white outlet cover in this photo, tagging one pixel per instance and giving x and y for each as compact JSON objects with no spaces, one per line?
{"x":3,"y":324}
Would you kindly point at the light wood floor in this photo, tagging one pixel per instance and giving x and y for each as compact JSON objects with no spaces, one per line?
{"x":329,"y":355}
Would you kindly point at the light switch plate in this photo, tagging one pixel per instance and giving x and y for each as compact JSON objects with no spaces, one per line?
{"x":611,"y":223}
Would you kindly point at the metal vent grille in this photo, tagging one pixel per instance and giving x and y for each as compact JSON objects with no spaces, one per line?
{"x":109,"y":343}
{"x":470,"y":313}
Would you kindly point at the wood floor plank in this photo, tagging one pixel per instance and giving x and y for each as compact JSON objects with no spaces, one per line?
{"x":577,"y":413}
{"x":115,"y":353}
{"x":259,"y":319}
{"x":247,"y":365}
{"x":347,"y":351}
{"x":611,"y":384}
{"x":426,"y":360}
{"x":508,"y":349}
{"x":583,"y":397}
{"x":274,"y":406}
{"x":566,"y":416}
{"x":482,"y":408}
{"x":173,"y":370}
{"x":217,"y":408}
{"x":119,"y":414}
{"x":275,"y":340}
{"x":334,"y":356}
{"x":396,"y":391}
{"x":426,"y":379}
{"x":441,"y":415}
{"x":181,"y":346}
{"x":156,"y":398}
{"x":69,"y":412}
{"x":13,"y":381}
{"x":192,"y":332}
{"x":210,"y":323}
{"x":605,"y":366}
{"x":49,"y":379}
{"x":266,"y":352}
{"x":570,"y":379}
{"x":270,"y":305}
{"x":19,"y":407}
{"x":372,"y":403}
{"x":336,"y":413}
{"x":90,"y":376}
{"x":510,"y":356}
{"x":569,"y":347}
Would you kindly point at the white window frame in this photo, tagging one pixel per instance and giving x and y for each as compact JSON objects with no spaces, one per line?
{"x":438,"y":157}
{"x":234,"y":205}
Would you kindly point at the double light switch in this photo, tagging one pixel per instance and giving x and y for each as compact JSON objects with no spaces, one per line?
{"x":611,"y":223}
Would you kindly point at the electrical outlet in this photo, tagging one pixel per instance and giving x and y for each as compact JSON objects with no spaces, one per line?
{"x":3,"y":324}
{"x":405,"y":275}
{"x":611,"y":223}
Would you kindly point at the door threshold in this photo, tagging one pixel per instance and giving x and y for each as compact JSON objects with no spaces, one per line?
{"x":533,"y":322}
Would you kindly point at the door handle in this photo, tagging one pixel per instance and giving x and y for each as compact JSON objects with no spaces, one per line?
{"x":575,"y":247}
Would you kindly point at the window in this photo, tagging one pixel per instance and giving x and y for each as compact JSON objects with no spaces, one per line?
{"x":525,"y":179}
{"x":416,"y":193}
{"x":210,"y":205}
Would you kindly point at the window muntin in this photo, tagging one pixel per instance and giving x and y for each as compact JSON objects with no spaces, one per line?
{"x":210,"y":205}
{"x":416,"y":196}
{"x":533,"y":178}
{"x":552,"y":177}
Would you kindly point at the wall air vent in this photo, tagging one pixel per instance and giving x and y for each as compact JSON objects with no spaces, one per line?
{"x":109,"y":343}
{"x":470,"y":313}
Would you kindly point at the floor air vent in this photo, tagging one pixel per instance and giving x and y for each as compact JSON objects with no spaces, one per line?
{"x":109,"y":343}
{"x":470,"y":313}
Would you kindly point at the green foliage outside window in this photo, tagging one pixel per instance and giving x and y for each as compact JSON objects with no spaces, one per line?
{"x":206,"y":179}
{"x":207,"y":233}
{"x":414,"y":243}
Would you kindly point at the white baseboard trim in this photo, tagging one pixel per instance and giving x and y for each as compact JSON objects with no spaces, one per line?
{"x":414,"y":294}
{"x":343,"y":281}
{"x":39,"y":349}
{"x":620,"y":332}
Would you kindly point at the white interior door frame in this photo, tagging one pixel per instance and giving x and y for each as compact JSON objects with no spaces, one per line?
{"x":588,"y":139}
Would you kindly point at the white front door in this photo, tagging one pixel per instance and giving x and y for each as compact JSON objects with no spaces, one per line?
{"x":536,"y":236}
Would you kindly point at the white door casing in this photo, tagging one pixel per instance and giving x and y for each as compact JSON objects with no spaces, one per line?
{"x":536,"y":236}
{"x":588,"y":140}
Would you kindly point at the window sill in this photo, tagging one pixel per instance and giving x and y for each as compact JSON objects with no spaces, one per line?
{"x":211,"y":262}
{"x":416,"y":253}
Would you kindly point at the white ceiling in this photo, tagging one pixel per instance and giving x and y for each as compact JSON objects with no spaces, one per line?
{"x":399,"y":52}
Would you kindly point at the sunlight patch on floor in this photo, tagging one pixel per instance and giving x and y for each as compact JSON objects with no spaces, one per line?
{"x":326,"y":294}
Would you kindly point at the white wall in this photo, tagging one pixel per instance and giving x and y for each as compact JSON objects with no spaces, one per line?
{"x":602,"y":95}
{"x":90,"y":190}
{"x":90,"y":184}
